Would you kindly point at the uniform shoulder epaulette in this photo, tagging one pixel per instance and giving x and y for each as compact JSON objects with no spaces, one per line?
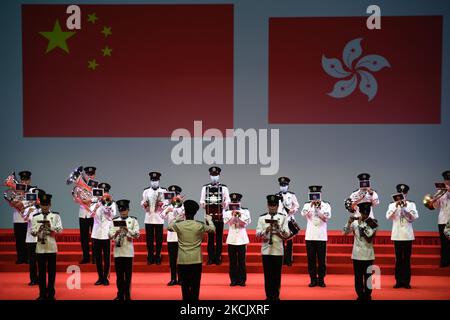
{"x":147,"y":188}
{"x":291,"y":192}
{"x":133,"y":217}
{"x":281,"y":213}
{"x":410,"y":201}
{"x":55,"y":212}
{"x":244,"y":208}
{"x":38,"y":213}
{"x":164,"y":188}
{"x":263,"y":214}
{"x":223,"y":185}
{"x":355,"y":190}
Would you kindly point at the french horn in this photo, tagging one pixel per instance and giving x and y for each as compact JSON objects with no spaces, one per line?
{"x":81,"y":192}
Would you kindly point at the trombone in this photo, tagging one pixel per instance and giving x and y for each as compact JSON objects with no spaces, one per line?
{"x":428,"y":200}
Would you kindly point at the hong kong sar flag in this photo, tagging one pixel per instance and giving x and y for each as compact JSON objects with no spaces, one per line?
{"x":129,"y":71}
{"x":336,"y":70}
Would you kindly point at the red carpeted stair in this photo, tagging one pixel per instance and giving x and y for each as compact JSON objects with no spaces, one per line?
{"x":425,"y":258}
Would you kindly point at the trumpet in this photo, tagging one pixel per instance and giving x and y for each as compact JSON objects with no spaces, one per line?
{"x":429,"y":200}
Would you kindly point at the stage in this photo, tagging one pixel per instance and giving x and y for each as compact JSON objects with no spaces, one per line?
{"x":215,"y":286}
{"x":429,"y":282}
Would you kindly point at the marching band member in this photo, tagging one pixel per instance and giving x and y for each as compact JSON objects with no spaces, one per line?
{"x":103,"y":213}
{"x":153,"y":201}
{"x":317,"y":212}
{"x":365,"y":193}
{"x":45,"y":225}
{"x":289,"y":205}
{"x":402,"y":212}
{"x":219,"y":191}
{"x":174,"y":210}
{"x":31,"y":240}
{"x":123,"y":230}
{"x":86,"y":221}
{"x":20,"y":225}
{"x":364,"y":229}
{"x":190,"y":235}
{"x":237,"y":219}
{"x":272,"y":229}
{"x":444,"y":217}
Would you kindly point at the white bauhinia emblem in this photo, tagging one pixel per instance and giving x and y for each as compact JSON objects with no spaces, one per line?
{"x":358,"y":72}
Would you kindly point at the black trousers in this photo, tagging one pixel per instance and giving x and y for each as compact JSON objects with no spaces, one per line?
{"x":31,"y":248}
{"x":238,"y":271}
{"x":361,"y":277}
{"x":288,"y":258}
{"x":316,"y":252}
{"x":86,"y":225}
{"x":445,"y":247}
{"x":272,"y":266}
{"x":403,"y":262}
{"x":190,"y":276}
{"x":153,"y":233}
{"x":215,"y":242}
{"x":172,"y":247}
{"x":102,"y":253}
{"x":124,"y":271}
{"x":20,"y":233}
{"x":47,"y":264}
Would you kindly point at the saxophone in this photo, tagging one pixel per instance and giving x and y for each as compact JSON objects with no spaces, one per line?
{"x":119,"y":239}
{"x":44,"y":230}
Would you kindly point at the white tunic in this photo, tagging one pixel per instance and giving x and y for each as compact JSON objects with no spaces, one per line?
{"x":237,"y":232}
{"x":155,"y":197}
{"x":17,"y":217}
{"x":289,"y":202}
{"x":28,"y":216}
{"x":367,"y":198}
{"x":402,"y":219}
{"x":127,"y":248}
{"x":55,"y":225}
{"x":362,"y":250}
{"x":276,"y":248}
{"x":171,"y":214}
{"x":316,"y":228}
{"x":103,"y":220}
{"x":444,"y":204}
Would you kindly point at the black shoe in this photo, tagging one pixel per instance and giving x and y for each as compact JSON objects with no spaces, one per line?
{"x":218,"y":262}
{"x":21,"y":262}
{"x":289,"y":264}
{"x":179,"y":283}
{"x":33,"y":283}
{"x":407,"y":286}
{"x":99,"y":282}
{"x":397,"y":286}
{"x":233,"y":284}
{"x":321,"y":283}
{"x":51,"y":298}
{"x":84,"y":261}
{"x":118,"y":298}
{"x":158,"y":260}
{"x":41,"y":298}
{"x":242,"y":284}
{"x":209,"y":262}
{"x":150,"y":260}
{"x":313,"y":283}
{"x":105,"y":282}
{"x":172,"y":283}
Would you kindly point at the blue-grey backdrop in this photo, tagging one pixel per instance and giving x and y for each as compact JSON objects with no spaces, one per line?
{"x":417,"y":155}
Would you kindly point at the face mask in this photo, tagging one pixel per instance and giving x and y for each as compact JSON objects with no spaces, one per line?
{"x":214,"y":178}
{"x":154,"y":184}
{"x":284,"y":188}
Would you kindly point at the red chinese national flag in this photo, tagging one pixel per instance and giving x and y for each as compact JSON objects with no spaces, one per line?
{"x":336,"y":70}
{"x":131,"y":71}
